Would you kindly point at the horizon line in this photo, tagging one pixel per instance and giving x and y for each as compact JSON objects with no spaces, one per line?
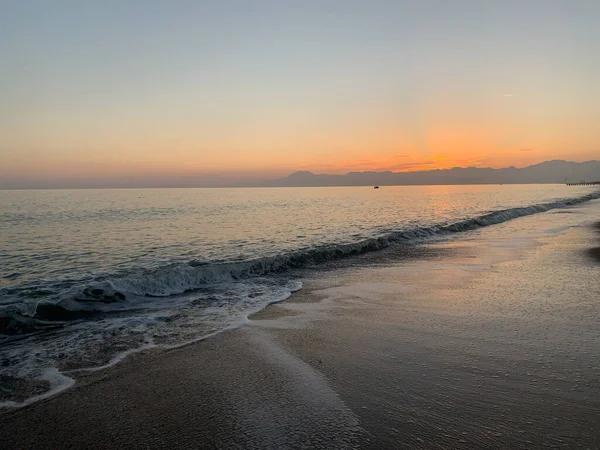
{"x":267,"y":183}
{"x":108,"y":188}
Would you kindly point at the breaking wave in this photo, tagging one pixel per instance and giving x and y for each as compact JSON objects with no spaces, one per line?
{"x":135,"y":290}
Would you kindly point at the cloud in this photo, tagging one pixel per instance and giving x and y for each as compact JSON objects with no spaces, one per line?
{"x":397,"y":163}
{"x":509,"y":95}
{"x":417,"y":165}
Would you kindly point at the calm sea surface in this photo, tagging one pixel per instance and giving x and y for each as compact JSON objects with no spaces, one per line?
{"x":88,"y":275}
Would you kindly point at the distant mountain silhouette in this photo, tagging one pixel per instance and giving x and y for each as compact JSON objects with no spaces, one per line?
{"x":546,"y":172}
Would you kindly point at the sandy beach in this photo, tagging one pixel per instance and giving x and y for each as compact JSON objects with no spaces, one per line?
{"x":489,"y":340}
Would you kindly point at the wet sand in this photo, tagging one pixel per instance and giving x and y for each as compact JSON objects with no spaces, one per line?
{"x":486,"y":344}
{"x":595,"y":252}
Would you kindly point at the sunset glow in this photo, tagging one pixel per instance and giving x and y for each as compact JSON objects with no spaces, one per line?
{"x":237,"y":92}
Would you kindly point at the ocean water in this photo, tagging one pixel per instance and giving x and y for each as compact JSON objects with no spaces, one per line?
{"x":89,"y":276}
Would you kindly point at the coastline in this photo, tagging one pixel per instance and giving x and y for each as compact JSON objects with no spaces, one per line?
{"x":434,"y":352}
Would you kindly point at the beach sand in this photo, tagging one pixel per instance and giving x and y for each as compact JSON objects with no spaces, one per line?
{"x":489,"y":341}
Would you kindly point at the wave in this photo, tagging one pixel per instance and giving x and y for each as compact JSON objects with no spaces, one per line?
{"x":179,"y":278}
{"x":132,"y":290}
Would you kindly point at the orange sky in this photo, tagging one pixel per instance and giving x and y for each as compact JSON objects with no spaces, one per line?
{"x":205,"y":90}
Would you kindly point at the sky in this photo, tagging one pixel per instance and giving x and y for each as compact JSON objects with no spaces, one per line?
{"x":148,"y":92}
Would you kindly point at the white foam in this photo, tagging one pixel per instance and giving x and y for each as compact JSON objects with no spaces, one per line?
{"x":58,"y":383}
{"x":115,"y":359}
{"x":87,"y":335}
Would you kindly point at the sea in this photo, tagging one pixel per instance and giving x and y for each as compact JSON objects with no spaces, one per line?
{"x":88,"y":277}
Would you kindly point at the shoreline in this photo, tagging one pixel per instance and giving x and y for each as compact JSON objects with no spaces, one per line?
{"x":422,"y":353}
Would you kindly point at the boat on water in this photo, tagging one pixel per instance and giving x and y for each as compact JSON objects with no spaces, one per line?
{"x":375,"y":187}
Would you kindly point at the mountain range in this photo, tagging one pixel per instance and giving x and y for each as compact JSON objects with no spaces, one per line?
{"x":548,"y":172}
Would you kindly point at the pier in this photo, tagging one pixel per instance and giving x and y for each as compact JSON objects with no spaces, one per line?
{"x":585,"y":183}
